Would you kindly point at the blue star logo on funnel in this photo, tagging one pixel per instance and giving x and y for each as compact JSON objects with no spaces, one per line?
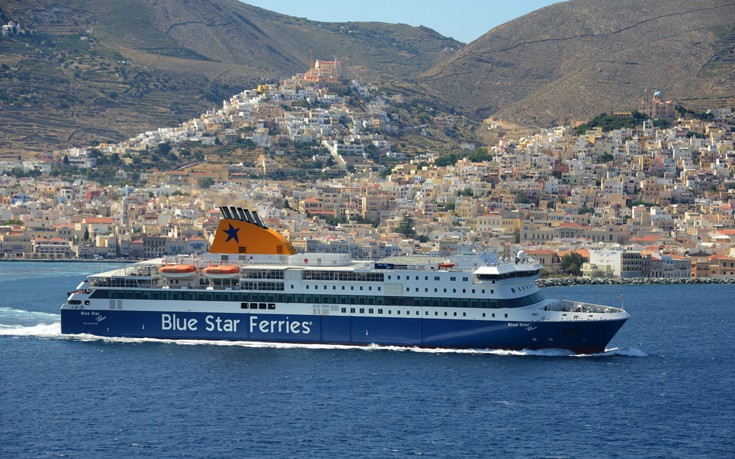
{"x":232,"y":233}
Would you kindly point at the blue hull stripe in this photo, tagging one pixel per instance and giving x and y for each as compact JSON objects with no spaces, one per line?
{"x":580,"y":336}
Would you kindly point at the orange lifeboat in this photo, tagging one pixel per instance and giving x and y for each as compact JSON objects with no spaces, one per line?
{"x":177,"y":271}
{"x":446,"y":265}
{"x":221,"y":272}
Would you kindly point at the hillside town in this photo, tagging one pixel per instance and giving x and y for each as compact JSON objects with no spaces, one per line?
{"x":649,"y":201}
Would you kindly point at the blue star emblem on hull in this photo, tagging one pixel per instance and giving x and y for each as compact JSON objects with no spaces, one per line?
{"x":232,"y":233}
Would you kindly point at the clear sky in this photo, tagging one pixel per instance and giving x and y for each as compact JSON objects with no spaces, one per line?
{"x":463,"y":20}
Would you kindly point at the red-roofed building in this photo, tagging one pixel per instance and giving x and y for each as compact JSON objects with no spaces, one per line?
{"x":549,"y":259}
{"x":197,"y":244}
{"x":584,"y":252}
{"x":16,"y":244}
{"x":97,"y":221}
{"x":65,"y":231}
{"x":51,"y":248}
{"x":325,"y":73}
{"x":669,"y":266}
{"x":648,"y":239}
{"x":617,"y":263}
{"x":94,"y":226}
{"x":136,"y":249}
{"x":534,"y":232}
{"x":722,"y":266}
{"x":316,"y":206}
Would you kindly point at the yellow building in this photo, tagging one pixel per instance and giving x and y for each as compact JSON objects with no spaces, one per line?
{"x":659,"y":109}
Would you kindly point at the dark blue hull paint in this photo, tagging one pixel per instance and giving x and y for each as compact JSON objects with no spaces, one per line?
{"x":580,"y":336}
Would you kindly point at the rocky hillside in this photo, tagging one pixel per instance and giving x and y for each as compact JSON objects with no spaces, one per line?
{"x":575,"y":59}
{"x":87,"y":70}
{"x":98,"y":69}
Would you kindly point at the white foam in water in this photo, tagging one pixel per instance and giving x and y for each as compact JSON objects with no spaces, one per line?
{"x":12,"y":314}
{"x":40,"y":330}
{"x":624,"y":351}
{"x":501,"y":352}
{"x":46,"y":325}
{"x":19,"y":322}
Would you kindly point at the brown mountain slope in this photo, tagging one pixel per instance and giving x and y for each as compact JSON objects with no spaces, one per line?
{"x":231,"y":32}
{"x":576,"y":59}
{"x":101,"y":69}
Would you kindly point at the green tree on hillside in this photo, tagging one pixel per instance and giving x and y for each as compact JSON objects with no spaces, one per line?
{"x":405,"y":228}
{"x":479,"y":155}
{"x":571,"y":263}
{"x":206,"y":182}
{"x":611,"y":122}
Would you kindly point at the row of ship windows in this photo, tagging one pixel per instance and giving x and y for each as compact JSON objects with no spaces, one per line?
{"x":224,"y":296}
{"x":279,"y":286}
{"x":307,"y":275}
{"x":495,"y":277}
{"x":257,"y":305}
{"x":361,"y":310}
{"x":370,"y":288}
{"x":523,"y":287}
{"x":270,"y":286}
{"x":436,"y":278}
{"x":262,"y":274}
{"x":125,"y":282}
{"x":406,"y":313}
{"x":364,"y":277}
{"x":348,"y":276}
{"x":345,"y":276}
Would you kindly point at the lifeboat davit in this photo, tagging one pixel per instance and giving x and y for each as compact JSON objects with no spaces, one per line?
{"x":446,"y":265}
{"x":177,"y":271}
{"x":222,"y":272}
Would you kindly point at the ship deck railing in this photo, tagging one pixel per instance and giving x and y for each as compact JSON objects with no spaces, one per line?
{"x":123,"y":282}
{"x":580,"y":307}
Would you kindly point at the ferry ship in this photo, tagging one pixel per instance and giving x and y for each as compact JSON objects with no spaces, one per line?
{"x":254,"y":286}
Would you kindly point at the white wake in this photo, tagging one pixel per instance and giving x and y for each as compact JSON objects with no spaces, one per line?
{"x":19,"y":322}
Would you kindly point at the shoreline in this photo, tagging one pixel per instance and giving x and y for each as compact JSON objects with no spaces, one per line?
{"x":69,"y":260}
{"x":569,"y":281}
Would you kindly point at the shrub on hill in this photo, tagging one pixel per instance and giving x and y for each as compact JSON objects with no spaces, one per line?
{"x":612,"y":122}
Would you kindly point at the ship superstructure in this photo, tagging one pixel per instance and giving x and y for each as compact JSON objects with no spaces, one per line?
{"x":254,"y":286}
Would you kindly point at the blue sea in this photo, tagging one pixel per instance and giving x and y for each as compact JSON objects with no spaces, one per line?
{"x":664,"y":388}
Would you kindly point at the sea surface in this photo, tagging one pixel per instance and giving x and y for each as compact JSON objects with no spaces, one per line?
{"x":664,"y":388}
